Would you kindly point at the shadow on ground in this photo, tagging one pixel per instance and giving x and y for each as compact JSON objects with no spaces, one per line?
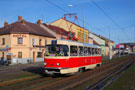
{"x":37,"y":70}
{"x":40,"y":70}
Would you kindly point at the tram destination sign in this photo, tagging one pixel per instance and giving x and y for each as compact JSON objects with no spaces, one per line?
{"x":54,"y":42}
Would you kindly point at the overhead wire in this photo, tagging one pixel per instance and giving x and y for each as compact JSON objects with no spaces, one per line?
{"x":110,"y":18}
{"x":69,"y":12}
{"x":78,"y":17}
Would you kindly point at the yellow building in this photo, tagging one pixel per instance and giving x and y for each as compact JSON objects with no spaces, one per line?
{"x":23,"y":42}
{"x":65,"y":24}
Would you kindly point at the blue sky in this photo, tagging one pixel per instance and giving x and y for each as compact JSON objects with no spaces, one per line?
{"x":122,"y":12}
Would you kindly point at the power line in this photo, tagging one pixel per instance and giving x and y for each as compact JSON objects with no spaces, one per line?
{"x":78,"y":17}
{"x":109,"y":17}
{"x":69,"y":12}
{"x":57,"y":6}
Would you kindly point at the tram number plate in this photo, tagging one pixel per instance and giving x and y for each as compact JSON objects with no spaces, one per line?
{"x":51,"y":65}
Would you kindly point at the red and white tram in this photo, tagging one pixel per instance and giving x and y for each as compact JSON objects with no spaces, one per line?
{"x":66,"y":57}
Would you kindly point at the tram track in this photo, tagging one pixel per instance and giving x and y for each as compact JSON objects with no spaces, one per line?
{"x":103,"y":82}
{"x":16,"y":84}
{"x":64,"y":83}
{"x":5,"y":83}
{"x":73,"y":81}
{"x":31,"y":83}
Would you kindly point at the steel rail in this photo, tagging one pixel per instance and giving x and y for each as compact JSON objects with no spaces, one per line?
{"x":101,"y":83}
{"x":89,"y":78}
{"x":64,"y":83}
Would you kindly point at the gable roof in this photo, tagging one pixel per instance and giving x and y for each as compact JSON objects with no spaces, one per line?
{"x":26,"y":28}
{"x":70,"y":22}
{"x":95,"y":43}
{"x":106,"y":39}
{"x":102,"y":37}
{"x":57,"y":29}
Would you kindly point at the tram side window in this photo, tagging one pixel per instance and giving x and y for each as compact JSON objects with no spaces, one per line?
{"x":96,"y":51}
{"x":73,"y":51}
{"x":93,"y":51}
{"x":65,"y":50}
{"x":85,"y":51}
{"x":99,"y":51}
{"x":80,"y":51}
{"x":89,"y":51}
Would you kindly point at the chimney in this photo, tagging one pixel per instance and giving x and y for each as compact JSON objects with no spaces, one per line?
{"x":47,"y":23}
{"x":5,"y":23}
{"x":39,"y":22}
{"x":23,"y":21}
{"x":19,"y":18}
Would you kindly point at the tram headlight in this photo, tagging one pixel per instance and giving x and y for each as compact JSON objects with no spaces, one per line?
{"x":45,"y":64}
{"x":57,"y":64}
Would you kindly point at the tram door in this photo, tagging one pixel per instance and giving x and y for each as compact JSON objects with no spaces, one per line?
{"x":9,"y":58}
{"x":34,"y":57}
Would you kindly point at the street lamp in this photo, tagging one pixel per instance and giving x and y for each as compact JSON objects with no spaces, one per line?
{"x":83,"y":22}
{"x":69,"y":5}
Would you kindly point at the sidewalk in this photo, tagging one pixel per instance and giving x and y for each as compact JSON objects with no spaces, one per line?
{"x":20,"y":66}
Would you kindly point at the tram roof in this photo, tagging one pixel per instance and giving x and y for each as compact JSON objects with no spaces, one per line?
{"x":70,"y":42}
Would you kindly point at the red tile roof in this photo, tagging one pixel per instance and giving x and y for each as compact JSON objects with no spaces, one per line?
{"x":30,"y":28}
{"x":94,"y":42}
{"x":57,"y":29}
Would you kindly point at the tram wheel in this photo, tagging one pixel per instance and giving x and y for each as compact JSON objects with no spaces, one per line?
{"x":81,"y":70}
{"x":98,"y":65}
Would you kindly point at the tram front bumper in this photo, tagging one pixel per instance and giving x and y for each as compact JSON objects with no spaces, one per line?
{"x":53,"y":70}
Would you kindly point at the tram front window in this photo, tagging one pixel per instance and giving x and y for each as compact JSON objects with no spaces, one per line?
{"x":56,"y":50}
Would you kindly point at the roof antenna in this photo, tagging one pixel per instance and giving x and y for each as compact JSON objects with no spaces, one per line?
{"x":42,"y":17}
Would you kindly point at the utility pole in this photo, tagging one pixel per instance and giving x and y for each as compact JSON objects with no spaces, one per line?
{"x":119,"y":46}
{"x":83,"y":22}
{"x":134,"y":33}
{"x":134,"y":39}
{"x":110,"y":55}
{"x":83,"y":26}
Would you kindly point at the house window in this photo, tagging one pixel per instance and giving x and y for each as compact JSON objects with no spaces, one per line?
{"x":39,"y":54}
{"x":40,"y":40}
{"x":19,"y":54}
{"x":45,"y":42}
{"x":20,"y":40}
{"x":3,"y":41}
{"x":3,"y":54}
{"x":33,"y":42}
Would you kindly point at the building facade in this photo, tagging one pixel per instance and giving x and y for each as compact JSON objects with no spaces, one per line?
{"x":125,"y":47}
{"x":98,"y":41}
{"x":109,"y":45}
{"x":79,"y":31}
{"x":24,"y":42}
